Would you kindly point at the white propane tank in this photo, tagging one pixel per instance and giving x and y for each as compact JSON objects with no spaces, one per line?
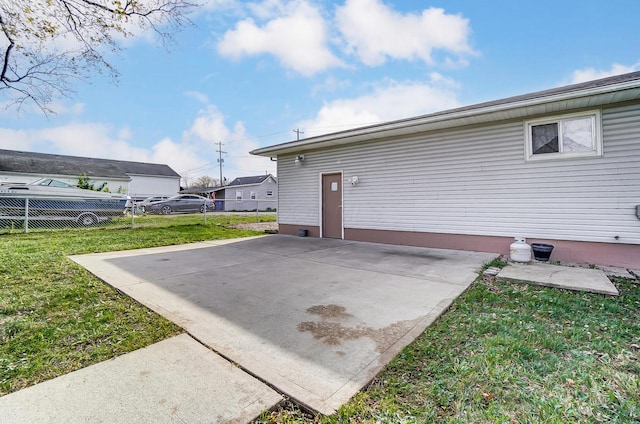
{"x":520,"y":251}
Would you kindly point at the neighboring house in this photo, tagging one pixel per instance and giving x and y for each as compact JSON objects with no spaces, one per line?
{"x":243,"y":194}
{"x":560,"y":166}
{"x":250,"y":193}
{"x":136,"y":179}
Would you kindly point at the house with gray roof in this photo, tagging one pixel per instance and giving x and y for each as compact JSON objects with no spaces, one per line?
{"x":559,"y":166}
{"x":259,"y":192}
{"x":137,"y":179}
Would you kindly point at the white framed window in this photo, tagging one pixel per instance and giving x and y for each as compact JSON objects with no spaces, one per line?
{"x":238,"y":195}
{"x":564,"y":136}
{"x":252,"y":196}
{"x":269,"y":193}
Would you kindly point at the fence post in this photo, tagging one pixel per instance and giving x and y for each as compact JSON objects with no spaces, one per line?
{"x":133,"y":213}
{"x":205,"y":211}
{"x":26,"y":215}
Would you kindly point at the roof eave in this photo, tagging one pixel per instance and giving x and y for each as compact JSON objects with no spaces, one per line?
{"x":448,"y":119}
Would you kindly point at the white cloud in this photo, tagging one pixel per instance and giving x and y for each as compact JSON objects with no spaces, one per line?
{"x":389,"y":101}
{"x":124,"y":133}
{"x":589,"y":74}
{"x":11,"y":139}
{"x":375,"y":32}
{"x":298,"y":38}
{"x":200,"y":97}
{"x":267,"y":9}
{"x":90,"y":139}
{"x":181,"y":157}
{"x":208,"y":129}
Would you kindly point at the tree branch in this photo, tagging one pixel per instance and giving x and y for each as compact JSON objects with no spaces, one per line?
{"x":37,"y":61}
{"x":7,"y":52}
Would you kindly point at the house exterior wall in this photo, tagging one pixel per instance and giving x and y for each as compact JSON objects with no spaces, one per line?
{"x":262,"y":202}
{"x":113,"y":184}
{"x":475,"y":182}
{"x":142,"y":186}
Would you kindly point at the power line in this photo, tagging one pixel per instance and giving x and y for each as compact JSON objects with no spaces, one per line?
{"x":199,"y":168}
{"x":257,"y":137}
{"x":298,"y":132}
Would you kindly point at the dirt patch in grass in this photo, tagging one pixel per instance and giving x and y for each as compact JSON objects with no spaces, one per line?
{"x":258,"y":226}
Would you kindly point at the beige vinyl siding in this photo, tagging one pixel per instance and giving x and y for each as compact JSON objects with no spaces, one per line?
{"x":476,"y":181}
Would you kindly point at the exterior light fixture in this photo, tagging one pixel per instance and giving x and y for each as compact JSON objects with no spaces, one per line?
{"x":299,"y":160}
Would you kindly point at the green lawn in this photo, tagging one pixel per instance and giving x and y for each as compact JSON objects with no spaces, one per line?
{"x":55,"y":317}
{"x":510,"y":353}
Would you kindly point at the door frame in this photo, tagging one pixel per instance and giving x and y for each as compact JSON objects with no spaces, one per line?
{"x":321,"y":200}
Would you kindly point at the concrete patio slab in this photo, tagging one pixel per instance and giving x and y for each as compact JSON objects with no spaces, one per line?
{"x":177,"y":380}
{"x":316,"y":319}
{"x":564,"y":277}
{"x":612,"y":271}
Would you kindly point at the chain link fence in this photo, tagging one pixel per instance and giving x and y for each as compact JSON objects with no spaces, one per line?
{"x":54,"y":212}
{"x":24,"y":214}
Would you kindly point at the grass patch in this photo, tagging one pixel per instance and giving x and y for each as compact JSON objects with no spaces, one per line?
{"x":56,"y":317}
{"x":509,"y":353}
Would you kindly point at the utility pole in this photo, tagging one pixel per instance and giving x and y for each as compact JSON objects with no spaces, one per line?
{"x":220,"y":160}
{"x":298,"y":132}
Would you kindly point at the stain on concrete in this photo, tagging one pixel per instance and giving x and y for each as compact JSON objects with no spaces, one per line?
{"x":329,"y":311}
{"x":334,"y":333}
{"x":415,"y":254}
{"x":331,"y":333}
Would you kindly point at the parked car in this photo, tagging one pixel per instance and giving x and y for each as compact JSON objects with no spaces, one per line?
{"x":181,"y":203}
{"x":142,"y":206}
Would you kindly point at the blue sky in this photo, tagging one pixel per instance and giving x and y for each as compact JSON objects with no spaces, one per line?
{"x":248,"y":73}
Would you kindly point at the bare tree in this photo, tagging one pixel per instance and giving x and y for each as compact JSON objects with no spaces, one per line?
{"x":205,"y":181}
{"x":46,"y":44}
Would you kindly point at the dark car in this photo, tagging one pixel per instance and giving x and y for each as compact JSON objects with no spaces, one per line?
{"x":144,"y":205}
{"x":180,"y":204}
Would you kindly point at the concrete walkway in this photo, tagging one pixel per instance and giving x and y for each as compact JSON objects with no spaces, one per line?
{"x":174,"y":381}
{"x":564,"y":277}
{"x":316,"y":319}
